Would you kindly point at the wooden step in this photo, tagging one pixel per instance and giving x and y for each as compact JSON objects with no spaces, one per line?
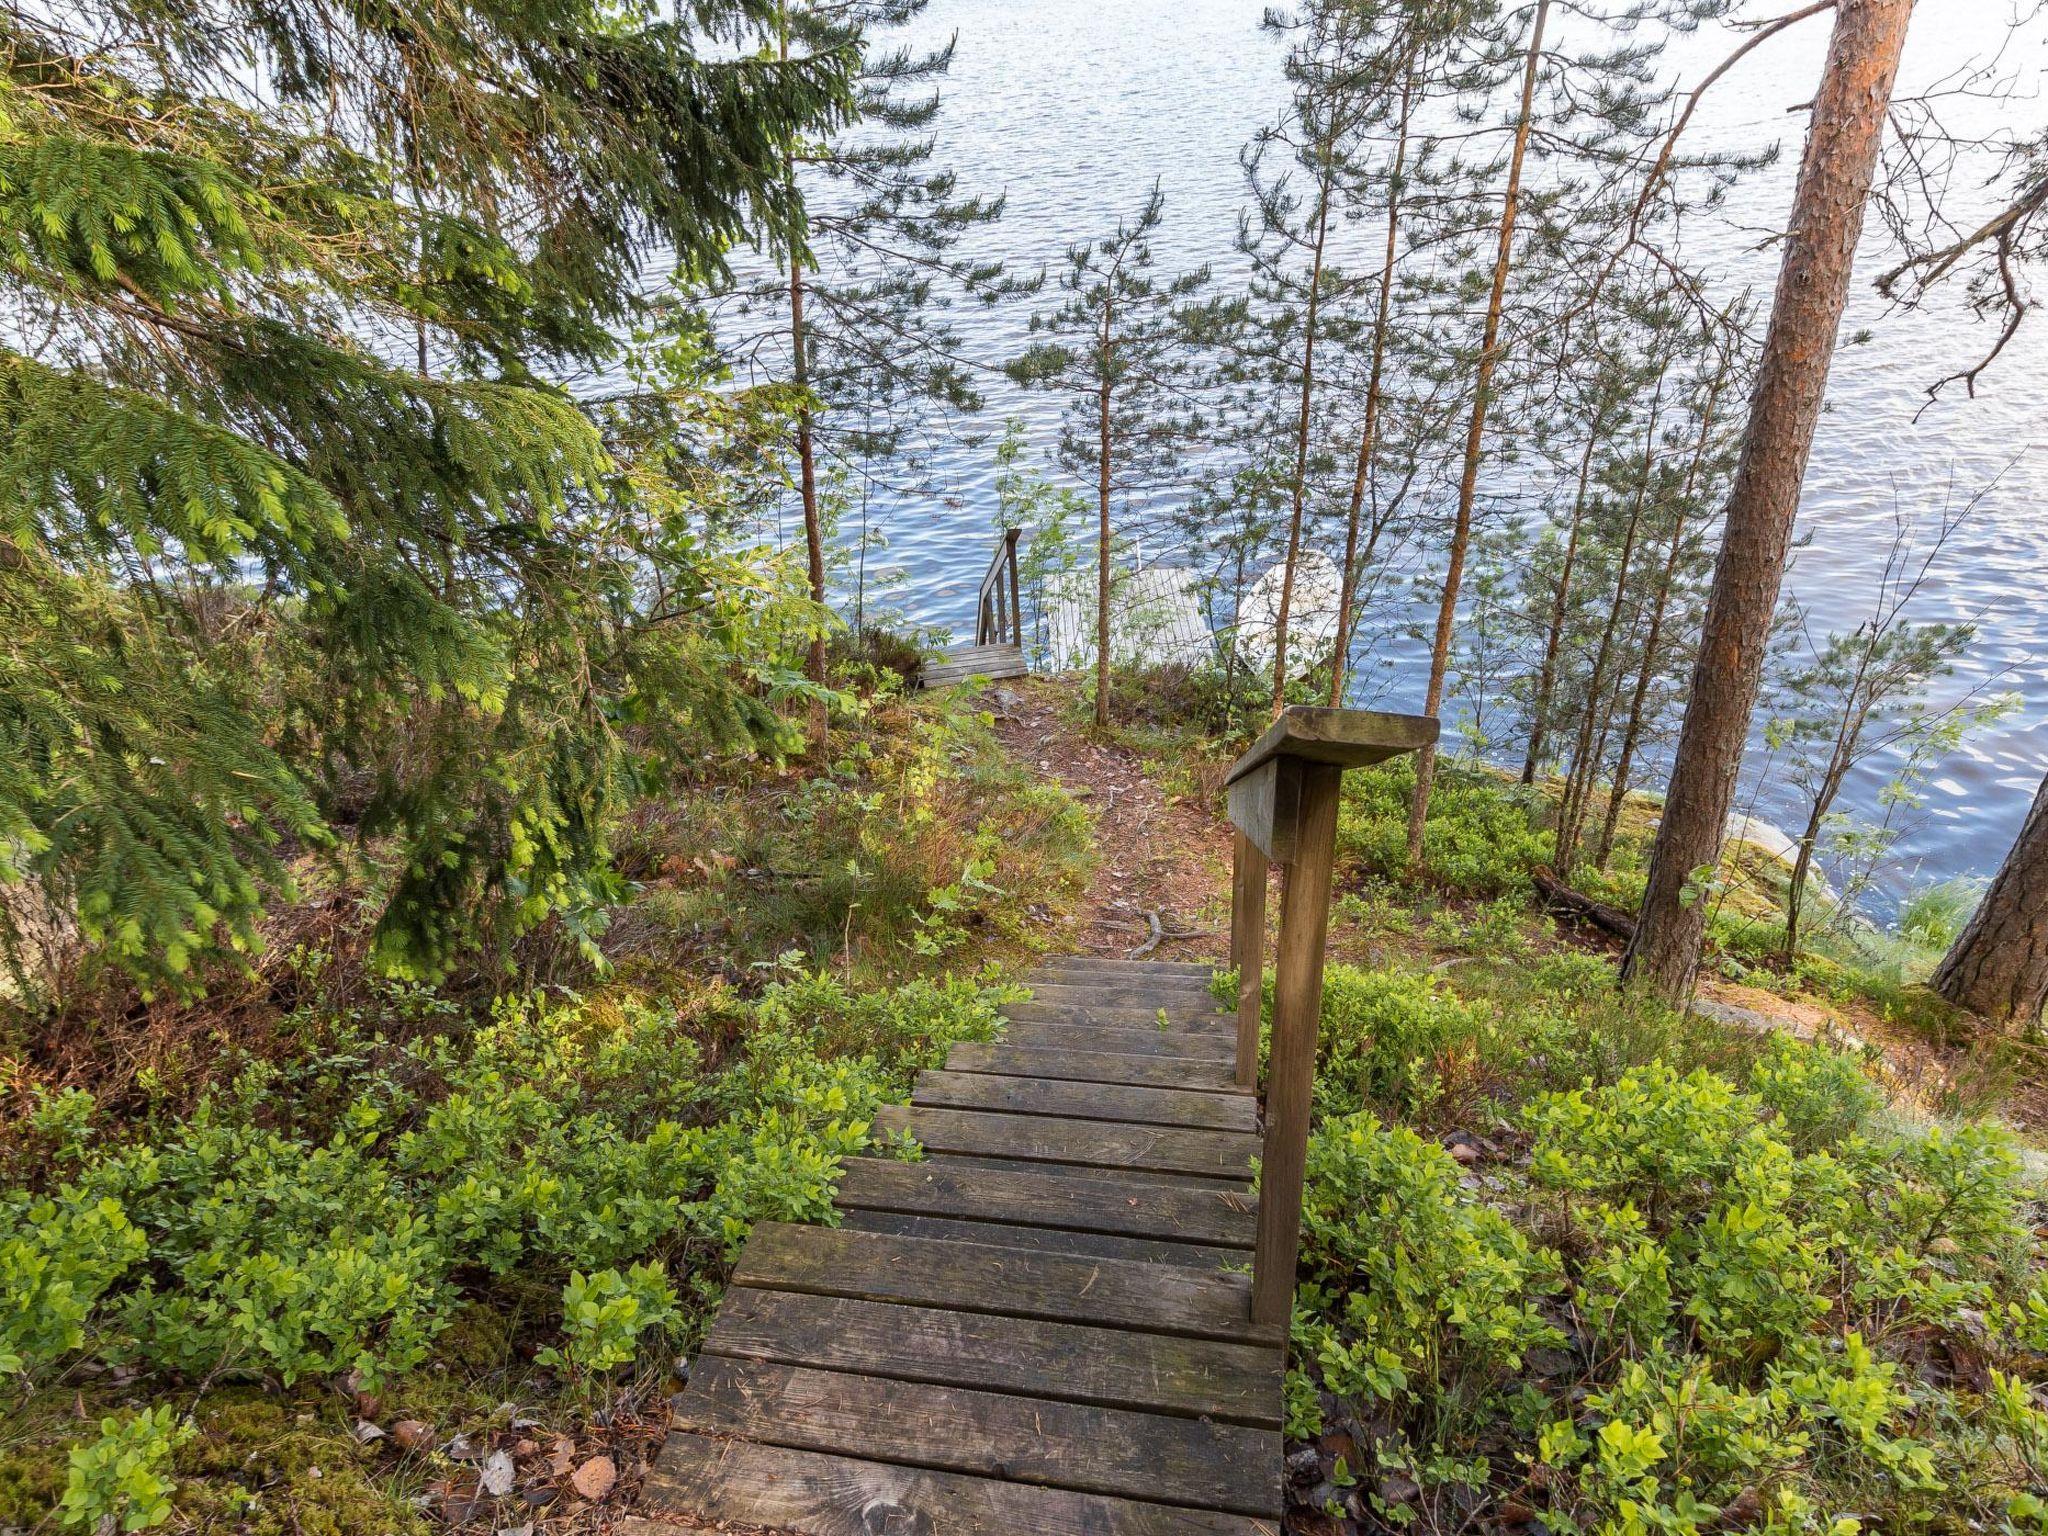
{"x":756,"y":1486}
{"x":1086,"y":1143}
{"x":1090,"y":1245}
{"x":1005,"y":1282}
{"x":1021,"y":1439}
{"x":1175,"y":1002}
{"x":1062,"y":973}
{"x":1070,"y":1362}
{"x":1185,"y":1022}
{"x":1238,"y":1183}
{"x":1118,"y":965}
{"x":1094,"y":1066}
{"x":1181,"y":1045}
{"x":1050,"y":1197}
{"x":1085,"y":1101}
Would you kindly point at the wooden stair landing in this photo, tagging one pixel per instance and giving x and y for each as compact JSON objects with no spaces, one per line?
{"x":1043,"y":1327}
{"x":964,"y":661}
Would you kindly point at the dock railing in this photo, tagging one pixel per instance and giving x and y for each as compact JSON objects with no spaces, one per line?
{"x":1283,"y":803}
{"x":999,"y":617}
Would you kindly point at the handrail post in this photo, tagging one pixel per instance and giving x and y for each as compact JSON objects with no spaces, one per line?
{"x":1248,"y":951}
{"x":1291,"y":1069}
{"x":1016,"y":607}
{"x":1283,"y":802}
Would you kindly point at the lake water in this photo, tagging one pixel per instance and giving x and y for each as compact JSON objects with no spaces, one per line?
{"x":1072,"y":108}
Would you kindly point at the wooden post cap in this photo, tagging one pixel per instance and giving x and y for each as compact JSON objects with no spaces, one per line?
{"x":1350,"y":738}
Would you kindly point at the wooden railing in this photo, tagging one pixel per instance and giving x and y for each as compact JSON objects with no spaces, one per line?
{"x":1283,"y":802}
{"x":999,"y":619}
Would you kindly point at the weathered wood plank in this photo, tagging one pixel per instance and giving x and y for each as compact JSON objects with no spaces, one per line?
{"x":1087,"y":1143}
{"x":1179,"y":984}
{"x":1109,"y":1016}
{"x":1050,"y":1197}
{"x":1085,"y":1101}
{"x":1093,"y":1067}
{"x":1120,"y":966}
{"x":1019,"y":1439}
{"x":1005,"y":1282}
{"x":1098,"y":1245}
{"x":1071,"y":1362}
{"x":1179,"y":1044}
{"x":819,"y":1495}
{"x":1240,"y":1182}
{"x":1175,"y":1003}
{"x":1347,"y":738}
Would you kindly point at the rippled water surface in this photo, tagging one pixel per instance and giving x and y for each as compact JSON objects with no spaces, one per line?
{"x":1073,"y":107}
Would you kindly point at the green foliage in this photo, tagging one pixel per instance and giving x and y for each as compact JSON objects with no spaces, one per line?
{"x":1406,"y":1280}
{"x":558,"y":1140}
{"x":120,"y":1481}
{"x":1482,"y":837}
{"x":604,"y":1314}
{"x":58,"y":1256}
{"x":264,"y":587}
{"x":1704,"y":1291}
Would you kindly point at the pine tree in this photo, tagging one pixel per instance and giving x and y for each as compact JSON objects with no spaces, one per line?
{"x":262,"y":581}
{"x":1124,"y":348}
{"x":859,"y":310}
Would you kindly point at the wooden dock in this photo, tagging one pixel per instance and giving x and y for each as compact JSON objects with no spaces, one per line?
{"x":965,"y":661}
{"x":1043,"y":1327}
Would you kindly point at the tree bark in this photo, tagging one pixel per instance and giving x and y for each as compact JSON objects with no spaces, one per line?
{"x":1475,"y":436}
{"x":1586,"y":759}
{"x":1560,"y":605}
{"x":1368,"y":436}
{"x":1999,"y":964}
{"x":1301,"y":426}
{"x":1102,"y":478}
{"x":1842,"y":145}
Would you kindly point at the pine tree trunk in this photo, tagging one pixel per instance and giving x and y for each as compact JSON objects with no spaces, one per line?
{"x":1308,"y":380}
{"x":1586,"y":761}
{"x":1560,"y":605}
{"x":1998,"y":966}
{"x":1368,"y":436}
{"x":1633,"y":733}
{"x":1475,"y":437}
{"x":1102,"y":446}
{"x":807,"y":465}
{"x":1842,"y":145}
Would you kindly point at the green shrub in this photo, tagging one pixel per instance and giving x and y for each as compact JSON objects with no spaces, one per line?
{"x":604,"y":1314}
{"x":1381,"y":1037}
{"x":1482,"y":837}
{"x":121,"y":1481}
{"x":58,"y":1256}
{"x":1407,"y":1279}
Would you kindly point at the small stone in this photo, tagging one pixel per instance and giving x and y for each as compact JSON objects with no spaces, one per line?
{"x":1304,"y":1465}
{"x":1464,"y":1152}
{"x":497,"y":1474}
{"x":594,"y":1479}
{"x":412,"y":1435}
{"x":516,"y":1530}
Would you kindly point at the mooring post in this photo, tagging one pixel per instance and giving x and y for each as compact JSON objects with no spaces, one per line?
{"x":1283,"y":802}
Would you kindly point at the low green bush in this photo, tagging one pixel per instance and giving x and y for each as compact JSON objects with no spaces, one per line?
{"x":560,"y":1139}
{"x":1704,"y":1303}
{"x":1483,"y":835}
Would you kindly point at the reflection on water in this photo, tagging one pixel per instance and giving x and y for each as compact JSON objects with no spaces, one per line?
{"x":1072,"y":108}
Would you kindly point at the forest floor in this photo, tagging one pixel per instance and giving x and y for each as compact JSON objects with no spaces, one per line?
{"x":1160,"y":886}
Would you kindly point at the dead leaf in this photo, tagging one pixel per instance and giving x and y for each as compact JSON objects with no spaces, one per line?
{"x":594,"y":1479}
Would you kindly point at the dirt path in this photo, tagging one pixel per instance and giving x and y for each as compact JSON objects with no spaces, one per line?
{"x":1160,"y":858}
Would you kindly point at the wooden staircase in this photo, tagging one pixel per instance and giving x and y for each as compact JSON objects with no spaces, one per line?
{"x":1043,"y":1327}
{"x":998,"y":649}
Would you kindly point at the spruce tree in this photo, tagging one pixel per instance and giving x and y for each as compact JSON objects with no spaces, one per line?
{"x":268,"y":586}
